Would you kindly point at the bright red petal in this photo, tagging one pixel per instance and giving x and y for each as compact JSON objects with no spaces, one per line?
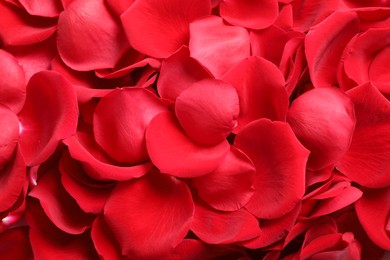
{"x":9,"y":134}
{"x":104,"y":241}
{"x":50,"y":8}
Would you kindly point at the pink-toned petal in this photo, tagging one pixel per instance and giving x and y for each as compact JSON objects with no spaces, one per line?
{"x":325,"y":44}
{"x":50,"y":8}
{"x":160,"y":27}
{"x":323,"y":119}
{"x":120,"y":121}
{"x":172,"y":152}
{"x":149,"y":216}
{"x":89,"y":37}
{"x":207,"y":111}
{"x":119,"y":7}
{"x":15,"y":244}
{"x":367,"y":161}
{"x":252,"y":14}
{"x":280,"y":162}
{"x":217,"y":227}
{"x":217,"y":45}
{"x":178,"y":72}
{"x":43,"y":128}
{"x":230,"y":186}
{"x":373,"y":210}
{"x":12,"y":82}
{"x":9,"y":134}
{"x":260,"y":88}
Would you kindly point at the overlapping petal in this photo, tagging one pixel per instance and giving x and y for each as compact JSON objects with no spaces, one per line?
{"x":9,"y":134}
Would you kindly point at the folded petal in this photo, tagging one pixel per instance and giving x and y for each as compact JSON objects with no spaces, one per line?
{"x":280,"y":162}
{"x":217,"y":45}
{"x":51,"y":8}
{"x":43,"y":128}
{"x":149,"y":216}
{"x":9,"y":134}
{"x":259,"y":95}
{"x":89,"y":37}
{"x":104,"y":241}
{"x":172,"y":152}
{"x":323,"y":119}
{"x":159,"y":28}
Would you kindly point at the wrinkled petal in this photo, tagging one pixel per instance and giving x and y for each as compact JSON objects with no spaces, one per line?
{"x":174,"y":153}
{"x":280,"y":162}
{"x":217,"y":45}
{"x":149,"y":216}
{"x":50,"y":8}
{"x":104,"y":241}
{"x":323,"y":119}
{"x":160,"y":27}
{"x":15,"y":244}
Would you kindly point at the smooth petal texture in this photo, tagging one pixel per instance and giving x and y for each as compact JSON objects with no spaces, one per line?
{"x":216,"y":227}
{"x":323,"y":119}
{"x":88,"y":36}
{"x":9,"y":134}
{"x":217,"y":45}
{"x":260,"y":87}
{"x":325,"y":44}
{"x":104,"y":241}
{"x":280,"y":162}
{"x":172,"y":152}
{"x":230,"y":186}
{"x":12,"y":82}
{"x":136,"y":210}
{"x":159,"y":28}
{"x":43,"y":128}
{"x":15,"y":244}
{"x":373,"y":210}
{"x":251,"y":14}
{"x":123,"y":136}
{"x":51,"y":8}
{"x":178,"y":72}
{"x":208,"y":110}
{"x":367,"y":161}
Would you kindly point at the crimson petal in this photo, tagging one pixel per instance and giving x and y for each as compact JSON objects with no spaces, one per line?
{"x":9,"y":134}
{"x":104,"y":241}
{"x":15,"y":244}
{"x":51,"y":8}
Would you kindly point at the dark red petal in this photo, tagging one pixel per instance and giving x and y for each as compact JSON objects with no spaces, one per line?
{"x":158,"y":28}
{"x":367,"y":161}
{"x":104,"y":241}
{"x":252,"y":14}
{"x":280,"y":162}
{"x":15,"y":244}
{"x":178,"y":72}
{"x":207,"y":111}
{"x":50,"y":8}
{"x":373,"y":210}
{"x":120,"y":121}
{"x":174,"y":153}
{"x":260,"y":87}
{"x":12,"y":82}
{"x":325,"y":44}
{"x":149,"y":216}
{"x":217,"y":227}
{"x":218,"y":46}
{"x":323,"y":119}
{"x":88,"y":36}
{"x":9,"y":134}
{"x":230,"y":186}
{"x":49,"y":115}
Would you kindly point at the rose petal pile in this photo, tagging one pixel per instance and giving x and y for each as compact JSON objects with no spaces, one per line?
{"x":197,"y":129}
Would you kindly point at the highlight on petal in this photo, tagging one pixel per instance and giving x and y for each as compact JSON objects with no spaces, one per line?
{"x":160,"y":27}
{"x":217,"y":45}
{"x":9,"y":134}
{"x":323,"y":119}
{"x":280,"y":162}
{"x":367,"y":161}
{"x":172,"y":152}
{"x":43,"y":128}
{"x":89,"y":37}
{"x":207,"y":111}
{"x":136,"y":210}
{"x":230,"y":186}
{"x":120,"y":121}
{"x":260,"y":88}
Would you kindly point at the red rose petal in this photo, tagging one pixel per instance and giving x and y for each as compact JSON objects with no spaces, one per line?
{"x":218,"y":46}
{"x":15,"y":244}
{"x":123,"y":136}
{"x":159,"y":27}
{"x":260,"y":87}
{"x":207,"y":111}
{"x":229,"y":187}
{"x":119,"y":7}
{"x":367,"y":161}
{"x":9,"y":134}
{"x":88,"y":36}
{"x":43,"y":128}
{"x":104,"y":241}
{"x":280,"y":162}
{"x":313,"y":119}
{"x":51,"y":8}
{"x":174,"y":153}
{"x":149,"y":216}
{"x":252,"y":14}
